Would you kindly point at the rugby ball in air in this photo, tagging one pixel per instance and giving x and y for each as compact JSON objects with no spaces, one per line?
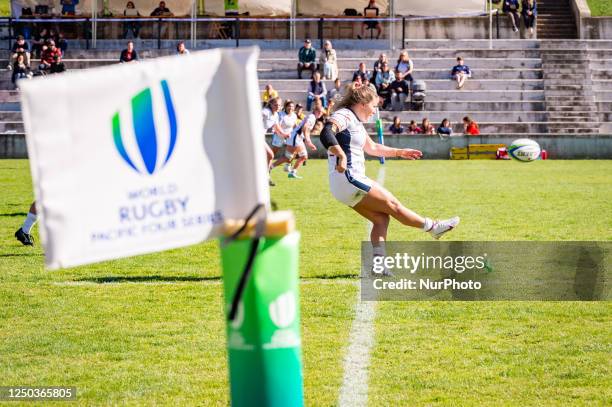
{"x":524,"y":150}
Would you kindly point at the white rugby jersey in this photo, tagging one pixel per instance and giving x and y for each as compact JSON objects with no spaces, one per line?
{"x":269,"y":118}
{"x":351,"y":137}
{"x":287,"y":121}
{"x":307,"y":122}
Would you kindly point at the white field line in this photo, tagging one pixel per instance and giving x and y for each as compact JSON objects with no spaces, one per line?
{"x":354,"y":390}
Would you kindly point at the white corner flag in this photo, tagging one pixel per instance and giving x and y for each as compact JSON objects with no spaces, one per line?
{"x":138,"y":158}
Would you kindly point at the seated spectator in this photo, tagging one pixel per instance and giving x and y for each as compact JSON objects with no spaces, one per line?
{"x":362,"y":72}
{"x":399,"y":92}
{"x":316,"y":90}
{"x":512,"y":8}
{"x":299,"y":112}
{"x":306,"y":58}
{"x":335,"y":91}
{"x":38,"y":42}
{"x":268,"y":94}
{"x":366,"y":82}
{"x":328,"y":62}
{"x":69,"y":7}
{"x":371,"y":10}
{"x":20,"y":69}
{"x":529,"y":10}
{"x":129,"y":54}
{"x":161,"y":10}
{"x":413,"y":128}
{"x":470,"y":127}
{"x":181,"y":49}
{"x":445,"y":129}
{"x":396,"y":126}
{"x":403,"y":70}
{"x":20,"y":47}
{"x":382,"y":59}
{"x":384,"y":78}
{"x":61,"y":42}
{"x":131,"y":27}
{"x":51,"y":59}
{"x":460,"y":73}
{"x":427,"y":128}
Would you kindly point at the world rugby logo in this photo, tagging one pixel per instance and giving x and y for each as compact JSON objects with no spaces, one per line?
{"x":143,"y":121}
{"x":283,"y":310}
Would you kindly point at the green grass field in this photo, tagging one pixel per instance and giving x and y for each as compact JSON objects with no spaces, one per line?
{"x":150,"y":330}
{"x":600,"y":7}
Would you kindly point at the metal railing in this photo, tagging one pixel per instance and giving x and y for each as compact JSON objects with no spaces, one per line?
{"x":227,"y":29}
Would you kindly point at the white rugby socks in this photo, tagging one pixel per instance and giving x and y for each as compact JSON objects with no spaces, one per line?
{"x":29,"y":222}
{"x":427,"y":225}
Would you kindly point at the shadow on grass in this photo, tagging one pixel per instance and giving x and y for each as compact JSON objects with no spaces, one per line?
{"x":21,"y":254}
{"x":331,"y":277}
{"x":144,"y":279}
{"x":13,"y":215}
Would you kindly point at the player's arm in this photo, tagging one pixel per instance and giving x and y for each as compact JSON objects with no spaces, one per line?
{"x":380,"y":150}
{"x":330,"y":142}
{"x":306,"y":131}
{"x":279,"y":130}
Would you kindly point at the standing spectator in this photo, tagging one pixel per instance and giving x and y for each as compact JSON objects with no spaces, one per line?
{"x":529,"y":10}
{"x":470,"y":127}
{"x":427,"y":128}
{"x":371,"y":10}
{"x":396,"y":126}
{"x":181,"y":49}
{"x":51,"y":59}
{"x":512,"y":8}
{"x":129,"y":54}
{"x":69,"y":7}
{"x":413,"y":128}
{"x":460,"y":73}
{"x":131,"y":27}
{"x":316,"y":90}
{"x":445,"y":128}
{"x":20,"y":47}
{"x":20,"y":69}
{"x":384,"y":78}
{"x":362,"y":72}
{"x":306,"y":58}
{"x":162,"y":11}
{"x":335,"y":91}
{"x":268,"y":94}
{"x":328,"y":61}
{"x":403,"y":70}
{"x":382,"y":58}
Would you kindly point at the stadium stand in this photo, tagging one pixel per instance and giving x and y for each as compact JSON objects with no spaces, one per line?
{"x":518,"y":87}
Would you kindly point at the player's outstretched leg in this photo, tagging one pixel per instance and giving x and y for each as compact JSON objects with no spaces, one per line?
{"x":379,"y":199}
{"x":23,"y":233}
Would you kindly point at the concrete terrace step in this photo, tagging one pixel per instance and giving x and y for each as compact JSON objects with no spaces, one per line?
{"x":285,"y":85}
{"x":439,"y":63}
{"x":419,"y":73}
{"x":602,"y":85}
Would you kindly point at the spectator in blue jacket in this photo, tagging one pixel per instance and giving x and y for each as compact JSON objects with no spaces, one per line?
{"x":460,"y":73}
{"x":396,"y":126}
{"x":306,"y":59}
{"x":512,"y":8}
{"x":445,"y":129}
{"x":20,"y":46}
{"x":529,"y":10}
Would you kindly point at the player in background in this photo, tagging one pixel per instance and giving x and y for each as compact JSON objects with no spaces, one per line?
{"x":271,"y":119}
{"x":23,"y":234}
{"x":299,"y":139}
{"x":287,"y":121}
{"x":346,"y":140}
